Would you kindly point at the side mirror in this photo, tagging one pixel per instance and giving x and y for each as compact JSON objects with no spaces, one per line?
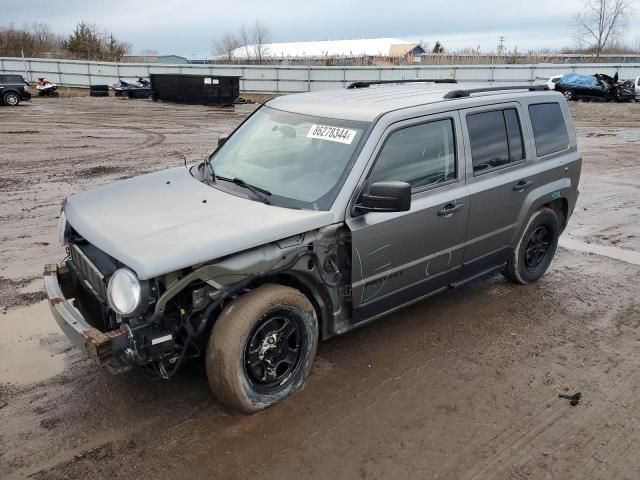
{"x":221,"y":140}
{"x":386,"y":197}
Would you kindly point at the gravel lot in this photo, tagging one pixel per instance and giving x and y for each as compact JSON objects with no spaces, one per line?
{"x":462,"y":386}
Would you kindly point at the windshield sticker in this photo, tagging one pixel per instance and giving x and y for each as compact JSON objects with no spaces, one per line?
{"x":333,"y":134}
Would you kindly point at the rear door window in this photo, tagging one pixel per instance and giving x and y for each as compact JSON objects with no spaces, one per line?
{"x":496,"y":139}
{"x":549,"y":128}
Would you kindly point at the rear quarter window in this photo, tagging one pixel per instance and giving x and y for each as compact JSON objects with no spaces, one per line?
{"x":496,"y":139}
{"x":549,"y":128}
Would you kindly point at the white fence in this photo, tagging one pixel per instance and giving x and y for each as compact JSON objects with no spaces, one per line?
{"x":286,"y":79}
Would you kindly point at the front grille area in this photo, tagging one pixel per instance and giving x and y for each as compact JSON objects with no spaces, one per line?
{"x":89,"y":267}
{"x":88,"y":272}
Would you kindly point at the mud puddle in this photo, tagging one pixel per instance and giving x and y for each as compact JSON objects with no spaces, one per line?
{"x":31,"y":345}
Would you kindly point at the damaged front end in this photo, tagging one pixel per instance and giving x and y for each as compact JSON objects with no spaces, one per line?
{"x":101,"y":347}
{"x":168,"y":319}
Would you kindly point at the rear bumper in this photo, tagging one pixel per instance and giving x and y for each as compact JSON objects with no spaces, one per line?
{"x":102,"y":348}
{"x":25,"y":96}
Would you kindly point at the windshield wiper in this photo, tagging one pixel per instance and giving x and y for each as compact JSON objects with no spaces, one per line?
{"x":260,"y":193}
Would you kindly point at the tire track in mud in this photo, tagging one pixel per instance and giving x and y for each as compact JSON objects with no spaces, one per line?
{"x":520,"y":443}
{"x":151,"y":139}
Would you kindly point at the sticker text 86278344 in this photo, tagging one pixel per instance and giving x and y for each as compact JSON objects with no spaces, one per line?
{"x":333,"y":134}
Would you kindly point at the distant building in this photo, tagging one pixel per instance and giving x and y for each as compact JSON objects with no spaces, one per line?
{"x":166,"y":59}
{"x":371,"y":47}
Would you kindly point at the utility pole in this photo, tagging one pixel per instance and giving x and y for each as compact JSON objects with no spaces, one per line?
{"x":501,"y":45}
{"x":24,"y":64}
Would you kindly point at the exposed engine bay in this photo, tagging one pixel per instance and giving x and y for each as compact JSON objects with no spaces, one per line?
{"x":179,"y":309}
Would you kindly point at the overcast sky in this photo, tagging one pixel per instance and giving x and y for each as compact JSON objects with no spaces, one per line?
{"x":188,"y":27}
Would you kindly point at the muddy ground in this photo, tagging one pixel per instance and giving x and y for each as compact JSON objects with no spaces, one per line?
{"x":463,"y":386}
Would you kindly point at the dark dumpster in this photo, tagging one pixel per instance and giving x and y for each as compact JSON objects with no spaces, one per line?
{"x":195,"y":89}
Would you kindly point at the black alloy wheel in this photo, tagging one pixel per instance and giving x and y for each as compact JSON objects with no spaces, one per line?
{"x":274,"y":348}
{"x":537,"y":248}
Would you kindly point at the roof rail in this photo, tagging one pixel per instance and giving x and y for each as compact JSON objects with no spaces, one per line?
{"x":366,"y":84}
{"x":468,"y":92}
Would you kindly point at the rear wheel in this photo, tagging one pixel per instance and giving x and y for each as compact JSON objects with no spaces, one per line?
{"x":261,"y":347}
{"x":11,"y":98}
{"x":568,"y":94}
{"x":534,"y":252}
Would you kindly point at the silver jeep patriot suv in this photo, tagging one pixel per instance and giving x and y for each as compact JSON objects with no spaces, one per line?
{"x":321,"y":212}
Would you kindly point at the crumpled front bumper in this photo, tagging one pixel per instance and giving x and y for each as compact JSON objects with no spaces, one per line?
{"x":102,"y":348}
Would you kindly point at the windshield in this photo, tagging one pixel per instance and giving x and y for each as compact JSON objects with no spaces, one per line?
{"x":300,"y":160}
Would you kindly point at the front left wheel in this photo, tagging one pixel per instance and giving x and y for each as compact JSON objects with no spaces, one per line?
{"x":261,"y":347}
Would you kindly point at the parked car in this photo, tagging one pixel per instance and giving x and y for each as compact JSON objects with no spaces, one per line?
{"x":551,"y":83}
{"x":599,"y":87}
{"x":320,"y":213}
{"x":13,"y":90}
{"x":625,"y":91}
{"x":575,"y":86}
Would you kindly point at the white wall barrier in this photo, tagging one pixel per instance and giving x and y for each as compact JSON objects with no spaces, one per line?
{"x":288,"y":78}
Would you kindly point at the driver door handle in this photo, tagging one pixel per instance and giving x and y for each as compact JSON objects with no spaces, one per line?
{"x":449,"y":209}
{"x":522,"y":185}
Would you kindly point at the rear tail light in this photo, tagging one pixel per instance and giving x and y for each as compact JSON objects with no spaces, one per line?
{"x":26,"y":88}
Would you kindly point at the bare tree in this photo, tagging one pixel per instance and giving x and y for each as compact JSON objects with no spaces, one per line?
{"x":244,"y":38}
{"x":260,"y":37}
{"x":33,"y":40}
{"x":225,"y":47}
{"x":45,"y":40}
{"x":602,"y":23}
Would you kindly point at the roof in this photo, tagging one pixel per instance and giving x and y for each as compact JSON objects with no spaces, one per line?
{"x":153,"y":59}
{"x":401,"y":49}
{"x":366,"y":104}
{"x":374,"y":47}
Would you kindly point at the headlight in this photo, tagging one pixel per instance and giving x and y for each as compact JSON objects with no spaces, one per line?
{"x":125,"y":293}
{"x":62,"y":228}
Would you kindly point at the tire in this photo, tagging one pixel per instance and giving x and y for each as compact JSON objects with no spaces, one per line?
{"x":527,"y":263}
{"x":568,"y":94}
{"x":11,"y":99}
{"x":242,"y":335}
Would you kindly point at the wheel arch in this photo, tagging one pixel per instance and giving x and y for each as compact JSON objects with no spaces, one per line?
{"x":315,"y":292}
{"x":554,"y":195}
{"x":561,"y":208}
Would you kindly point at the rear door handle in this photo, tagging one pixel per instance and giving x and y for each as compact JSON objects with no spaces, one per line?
{"x":522,"y":185}
{"x":449,"y":209}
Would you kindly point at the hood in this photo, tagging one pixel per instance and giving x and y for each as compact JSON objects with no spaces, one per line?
{"x":163,"y":221}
